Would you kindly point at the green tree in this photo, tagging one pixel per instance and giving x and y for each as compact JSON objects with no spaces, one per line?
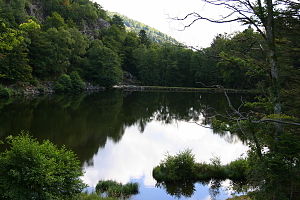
{"x":118,"y":21}
{"x":78,"y":50}
{"x":113,"y":38}
{"x":147,"y":65}
{"x":130,"y":43}
{"x":13,"y":56}
{"x":13,"y":12}
{"x":33,"y":170}
{"x":55,"y":21}
{"x":76,"y":81}
{"x":63,"y":84}
{"x":103,"y":65}
{"x":30,"y":26}
{"x":9,"y":38}
{"x":50,"y":52}
{"x":144,"y":38}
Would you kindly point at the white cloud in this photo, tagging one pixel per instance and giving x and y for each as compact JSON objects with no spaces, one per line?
{"x":207,"y":198}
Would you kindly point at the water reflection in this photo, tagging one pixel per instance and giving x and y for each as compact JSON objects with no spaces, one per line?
{"x":137,"y":154}
{"x":122,"y":136}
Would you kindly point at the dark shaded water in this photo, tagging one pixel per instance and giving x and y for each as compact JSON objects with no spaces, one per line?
{"x":122,"y":136}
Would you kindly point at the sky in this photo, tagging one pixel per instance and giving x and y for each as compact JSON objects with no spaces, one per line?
{"x":158,"y":14}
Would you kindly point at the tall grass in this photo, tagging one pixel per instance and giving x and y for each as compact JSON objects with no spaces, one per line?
{"x":117,"y":190}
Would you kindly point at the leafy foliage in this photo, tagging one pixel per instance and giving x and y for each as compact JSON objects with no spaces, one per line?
{"x":104,"y":65}
{"x":33,"y":170}
{"x":114,"y":189}
{"x":178,"y":168}
{"x":178,"y":173}
{"x":183,"y":168}
{"x":72,"y":83}
{"x":5,"y":92}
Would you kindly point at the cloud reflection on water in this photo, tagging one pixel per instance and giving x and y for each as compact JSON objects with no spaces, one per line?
{"x":136,"y":154}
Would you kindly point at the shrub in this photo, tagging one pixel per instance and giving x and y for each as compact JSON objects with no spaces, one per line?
{"x":33,"y":170}
{"x":237,"y":170}
{"x":34,"y":82}
{"x":5,"y":92}
{"x":178,"y":168}
{"x":72,"y":83}
{"x":206,"y":172}
{"x":182,"y":168}
{"x":115,"y":189}
{"x":103,"y":186}
{"x":63,"y":84}
{"x":77,"y":83}
{"x":130,"y":189}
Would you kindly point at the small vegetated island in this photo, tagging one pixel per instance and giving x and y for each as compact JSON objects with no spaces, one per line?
{"x":69,"y":46}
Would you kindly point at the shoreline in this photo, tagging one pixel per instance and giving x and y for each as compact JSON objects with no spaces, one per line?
{"x":183,"y":89}
{"x":48,"y":89}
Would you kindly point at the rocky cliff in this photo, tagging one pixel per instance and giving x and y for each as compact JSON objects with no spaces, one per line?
{"x":37,"y":10}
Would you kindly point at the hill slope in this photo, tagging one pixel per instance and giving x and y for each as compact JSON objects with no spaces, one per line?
{"x":154,"y":34}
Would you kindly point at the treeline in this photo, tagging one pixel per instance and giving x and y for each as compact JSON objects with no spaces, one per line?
{"x":43,"y":40}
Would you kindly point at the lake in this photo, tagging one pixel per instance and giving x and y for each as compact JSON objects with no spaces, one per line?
{"x":123,"y":135}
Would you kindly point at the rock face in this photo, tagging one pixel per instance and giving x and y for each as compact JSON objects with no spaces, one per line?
{"x":48,"y":88}
{"x":93,"y":88}
{"x":91,"y":29}
{"x":44,"y":88}
{"x":129,"y":79}
{"x":36,"y":9}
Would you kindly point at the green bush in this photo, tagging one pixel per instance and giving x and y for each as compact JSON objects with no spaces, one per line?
{"x":206,"y":172}
{"x":130,"y":189}
{"x":63,"y":84}
{"x":115,"y":189}
{"x":34,"y":82}
{"x":103,"y":186}
{"x":69,"y":84}
{"x":182,"y":168}
{"x":5,"y":92}
{"x":178,"y":168}
{"x":76,"y":81}
{"x":33,"y":170}
{"x":237,"y":170}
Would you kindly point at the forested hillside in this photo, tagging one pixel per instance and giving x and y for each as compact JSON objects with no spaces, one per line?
{"x":50,"y":40}
{"x":153,"y":34}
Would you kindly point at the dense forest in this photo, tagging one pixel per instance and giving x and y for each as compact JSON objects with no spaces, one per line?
{"x":43,"y":40}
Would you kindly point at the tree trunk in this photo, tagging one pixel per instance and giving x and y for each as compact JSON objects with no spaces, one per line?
{"x":271,"y":57}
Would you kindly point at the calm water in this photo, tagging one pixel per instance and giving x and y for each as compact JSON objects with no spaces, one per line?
{"x":122,"y":136}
